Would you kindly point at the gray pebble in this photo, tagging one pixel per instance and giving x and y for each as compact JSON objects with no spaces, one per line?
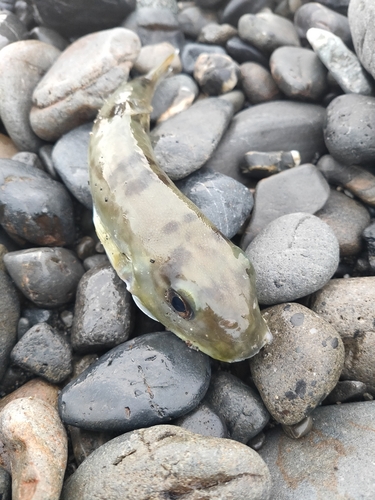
{"x":70,"y":160}
{"x":216,"y":73}
{"x":164,"y":461}
{"x":236,"y":98}
{"x":44,"y":352}
{"x":345,"y":391}
{"x":299,"y":430}
{"x":102,"y":315}
{"x":9,"y":316}
{"x":259,"y":165}
{"x":192,"y":51}
{"x":243,"y":52}
{"x":234,"y":9}
{"x":11,"y":29}
{"x":29,"y":159}
{"x":205,"y":421}
{"x":301,"y":366}
{"x":192,"y":19}
{"x":369,"y":237}
{"x":217,"y":34}
{"x":173,"y":95}
{"x":294,"y":255}
{"x":94,"y":261}
{"x":50,"y":36}
{"x":361,"y":15}
{"x":258,"y":84}
{"x":223,"y":200}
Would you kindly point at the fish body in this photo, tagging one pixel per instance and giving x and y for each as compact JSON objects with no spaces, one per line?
{"x":177,"y":265}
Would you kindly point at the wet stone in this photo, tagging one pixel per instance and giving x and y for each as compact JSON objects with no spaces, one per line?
{"x":186,"y":141}
{"x":72,"y":91}
{"x":162,"y":462}
{"x":259,"y":165}
{"x":44,"y":352}
{"x":173,"y":95}
{"x":267,"y":31}
{"x":191,"y":52}
{"x":301,"y":366}
{"x":22,"y":65}
{"x":50,"y":36}
{"x":243,"y":52}
{"x":46,"y":276}
{"x":103,"y":311}
{"x":237,"y":8}
{"x":361,"y":15}
{"x":293,"y":256}
{"x":9,"y":316}
{"x":238,"y":405}
{"x":223,"y":200}
{"x":217,"y":34}
{"x":347,"y":218}
{"x":11,"y":29}
{"x":300,"y":189}
{"x":335,"y":460}
{"x":192,"y":19}
{"x":70,"y":160}
{"x":151,"y":379}
{"x":341,"y":62}
{"x":205,"y":421}
{"x":216,"y":73}
{"x":258,"y":84}
{"x":345,"y":391}
{"x":299,"y":73}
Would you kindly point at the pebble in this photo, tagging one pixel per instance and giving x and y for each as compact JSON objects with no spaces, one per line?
{"x":162,"y":462}
{"x":5,"y":485}
{"x":346,"y":132}
{"x":301,"y":366}
{"x":258,"y":84}
{"x":35,"y":439}
{"x":9,"y":316}
{"x":299,"y":430}
{"x":70,"y":160}
{"x":347,"y":218}
{"x":259,"y":165}
{"x":22,"y":65}
{"x":35,"y":388}
{"x":203,"y":420}
{"x":334,"y":461}
{"x":299,"y":73}
{"x":267,"y":31}
{"x":357,"y":180}
{"x":36,"y":208}
{"x":11,"y":29}
{"x":271,"y":126}
{"x":345,"y":391}
{"x":361,"y":16}
{"x":191,"y":52}
{"x":300,"y":189}
{"x":152,"y":56}
{"x":71,"y":92}
{"x":216,"y":73}
{"x":186,"y":141}
{"x":146,"y":381}
{"x":192,"y":19}
{"x":46,"y":276}
{"x":103,"y":311}
{"x":217,"y":34}
{"x":7,"y":147}
{"x":341,"y":62}
{"x":243,"y":52}
{"x":94,"y":261}
{"x":173,"y":95}
{"x":44,"y":352}
{"x":29,"y":159}
{"x":369,"y":237}
{"x":348,"y":305}
{"x":85,"y":247}
{"x":234,"y":9}
{"x":293,"y":256}
{"x":238,"y":405}
{"x":236,"y":98}
{"x":50,"y":36}
{"x":223,"y":200}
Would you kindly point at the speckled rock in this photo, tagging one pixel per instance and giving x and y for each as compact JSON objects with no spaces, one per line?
{"x":203,"y":420}
{"x":293,"y":256}
{"x":35,"y":439}
{"x":301,"y":366}
{"x":173,"y":95}
{"x":35,"y":388}
{"x":9,"y":315}
{"x":216,"y":73}
{"x":167,"y":461}
{"x":334,"y":461}
{"x":361,"y":15}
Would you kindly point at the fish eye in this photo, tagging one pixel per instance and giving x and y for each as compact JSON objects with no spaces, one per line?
{"x":180,"y":305}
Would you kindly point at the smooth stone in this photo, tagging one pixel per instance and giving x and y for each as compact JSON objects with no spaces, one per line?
{"x":22,"y":65}
{"x":369,"y":237}
{"x":7,"y":147}
{"x":355,"y":179}
{"x":9,"y":316}
{"x":52,"y":362}
{"x":151,"y":56}
{"x":46,"y":276}
{"x":70,"y":160}
{"x":146,"y":381}
{"x":316,"y":15}
{"x":71,"y":92}
{"x":243,"y":52}
{"x":340,"y":6}
{"x":299,"y":430}
{"x":29,"y":159}
{"x":36,"y":441}
{"x":167,"y":461}
{"x":50,"y":36}
{"x":361,"y":16}
{"x":293,"y":256}
{"x":45,"y":155}
{"x":341,"y":62}
{"x":301,"y":366}
{"x":299,"y":73}
{"x":191,"y":52}
{"x":36,"y":315}
{"x":36,"y":388}
{"x":216,"y":34}
{"x":234,"y":9}
{"x":203,"y":420}
{"x":267,"y":31}
{"x":5,"y":485}
{"x":271,"y":126}
{"x":223,"y":200}
{"x":347,"y":218}
{"x":103,"y":311}
{"x":345,"y":391}
{"x":259,"y":165}
{"x":11,"y":29}
{"x":300,"y":189}
{"x":334,"y":461}
{"x":258,"y":84}
{"x":184,"y":142}
{"x":348,"y":305}
{"x":173,"y":95}
{"x":85,"y":247}
{"x":239,"y":406}
{"x":216,"y":73}
{"x":94,"y":261}
{"x":192,"y":19}
{"x":77,"y":18}
{"x":236,"y":98}
{"x":85,"y":442}
{"x":36,"y":208}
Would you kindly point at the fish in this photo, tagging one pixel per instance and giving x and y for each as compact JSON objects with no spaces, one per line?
{"x":180,"y":269}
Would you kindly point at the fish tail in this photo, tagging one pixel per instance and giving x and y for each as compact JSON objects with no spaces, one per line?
{"x":162,"y":70}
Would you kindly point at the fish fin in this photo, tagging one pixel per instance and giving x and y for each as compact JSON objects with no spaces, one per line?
{"x":143,"y":308}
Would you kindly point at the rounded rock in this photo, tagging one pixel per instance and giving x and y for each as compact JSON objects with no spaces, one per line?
{"x":361,"y":15}
{"x":217,"y":34}
{"x":9,"y":316}
{"x":216,"y":73}
{"x":192,"y":51}
{"x":205,"y":421}
{"x":243,"y":52}
{"x":258,"y":84}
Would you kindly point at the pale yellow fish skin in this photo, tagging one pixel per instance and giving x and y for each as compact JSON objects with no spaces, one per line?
{"x":157,"y":239}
